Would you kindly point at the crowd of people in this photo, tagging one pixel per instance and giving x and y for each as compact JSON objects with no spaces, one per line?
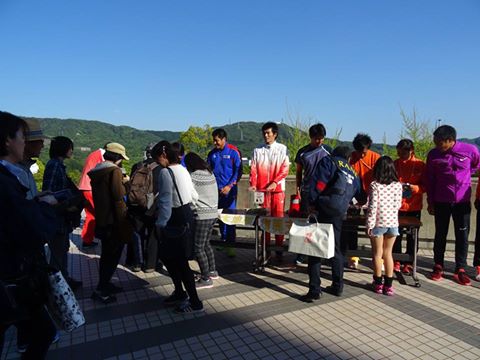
{"x":165,"y":210}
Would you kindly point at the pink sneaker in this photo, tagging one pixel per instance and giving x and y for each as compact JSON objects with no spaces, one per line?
{"x":378,"y":288}
{"x":388,"y":290}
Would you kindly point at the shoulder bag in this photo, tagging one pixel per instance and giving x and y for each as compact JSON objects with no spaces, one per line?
{"x":180,"y":228}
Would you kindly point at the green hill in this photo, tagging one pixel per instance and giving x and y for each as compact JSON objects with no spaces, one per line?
{"x":94,"y":134}
{"x":247,"y":135}
{"x":89,"y":135}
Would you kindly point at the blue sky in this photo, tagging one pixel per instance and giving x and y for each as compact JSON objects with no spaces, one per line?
{"x":166,"y":65}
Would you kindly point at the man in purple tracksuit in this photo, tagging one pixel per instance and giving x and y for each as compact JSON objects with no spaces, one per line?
{"x":226,"y":163}
{"x":450,"y":166}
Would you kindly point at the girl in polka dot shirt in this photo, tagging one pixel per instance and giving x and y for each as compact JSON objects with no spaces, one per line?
{"x":384,"y":201}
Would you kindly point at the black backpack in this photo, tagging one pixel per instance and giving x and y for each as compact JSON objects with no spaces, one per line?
{"x":340,"y":190}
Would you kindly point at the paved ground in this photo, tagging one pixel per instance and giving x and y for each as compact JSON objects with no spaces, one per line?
{"x":252,"y":316}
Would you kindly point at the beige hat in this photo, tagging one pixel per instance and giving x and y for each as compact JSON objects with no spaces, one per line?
{"x":34,"y":131}
{"x":117,"y":149}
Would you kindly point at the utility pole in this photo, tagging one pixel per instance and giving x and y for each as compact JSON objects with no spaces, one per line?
{"x":439,"y":121}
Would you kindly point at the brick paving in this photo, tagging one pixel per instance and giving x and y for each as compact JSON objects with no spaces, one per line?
{"x":259,"y":316}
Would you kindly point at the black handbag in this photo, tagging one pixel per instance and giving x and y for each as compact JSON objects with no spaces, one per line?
{"x":180,"y":228}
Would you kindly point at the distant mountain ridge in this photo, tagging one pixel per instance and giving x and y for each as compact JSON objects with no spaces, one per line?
{"x":94,"y":134}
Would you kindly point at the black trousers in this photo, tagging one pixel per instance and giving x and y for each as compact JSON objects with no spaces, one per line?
{"x":59,"y":247}
{"x":460,"y":212}
{"x":173,"y":257}
{"x":149,"y":245}
{"x":38,"y":332}
{"x":397,"y":246}
{"x":111,"y":251}
{"x":476,"y":255}
{"x":314,"y":263}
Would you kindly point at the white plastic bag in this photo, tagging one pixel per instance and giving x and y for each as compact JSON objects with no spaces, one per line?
{"x":313,"y":239}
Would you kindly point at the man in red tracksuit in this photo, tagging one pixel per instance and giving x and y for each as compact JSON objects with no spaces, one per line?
{"x":269,"y":168}
{"x":88,"y":230}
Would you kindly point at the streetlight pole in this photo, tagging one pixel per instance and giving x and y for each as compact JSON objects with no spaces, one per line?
{"x":439,"y":121}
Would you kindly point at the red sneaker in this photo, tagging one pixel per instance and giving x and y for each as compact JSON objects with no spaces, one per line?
{"x":437,"y":273}
{"x":462,"y":278}
{"x":477,"y":269}
{"x":407,"y":269}
{"x":396,"y":266}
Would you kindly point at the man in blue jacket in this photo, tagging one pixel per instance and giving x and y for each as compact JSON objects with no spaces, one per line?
{"x":226,"y":164}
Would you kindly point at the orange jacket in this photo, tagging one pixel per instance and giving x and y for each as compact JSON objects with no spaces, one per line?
{"x":363,"y":166}
{"x":412,"y":171}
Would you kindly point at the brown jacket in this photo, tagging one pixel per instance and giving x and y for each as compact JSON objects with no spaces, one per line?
{"x":108,"y":193}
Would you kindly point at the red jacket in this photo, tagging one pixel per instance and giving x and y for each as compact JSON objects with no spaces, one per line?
{"x":91,"y":161}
